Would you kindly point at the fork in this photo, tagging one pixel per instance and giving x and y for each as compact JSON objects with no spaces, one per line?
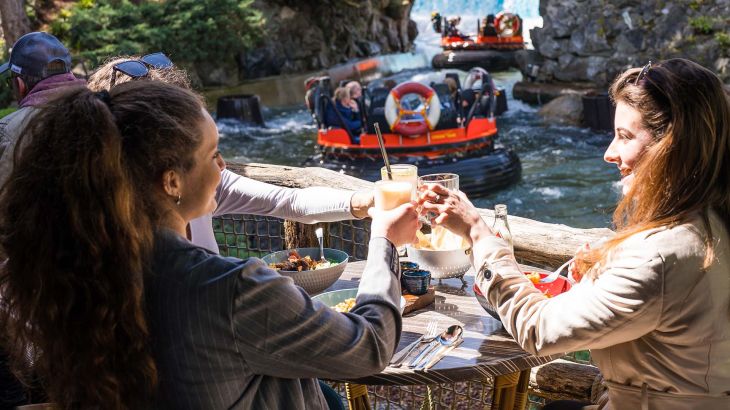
{"x":551,"y":277}
{"x":431,"y":333}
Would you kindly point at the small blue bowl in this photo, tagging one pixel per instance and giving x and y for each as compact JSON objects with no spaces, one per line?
{"x":416,"y":282}
{"x":406,"y":266}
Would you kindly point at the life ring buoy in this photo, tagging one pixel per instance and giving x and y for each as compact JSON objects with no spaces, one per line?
{"x":430,"y":112}
{"x":507,"y":24}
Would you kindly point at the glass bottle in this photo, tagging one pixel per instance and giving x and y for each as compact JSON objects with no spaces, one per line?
{"x":501,"y":226}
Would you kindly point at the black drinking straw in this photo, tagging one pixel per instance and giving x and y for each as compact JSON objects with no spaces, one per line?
{"x":382,"y":151}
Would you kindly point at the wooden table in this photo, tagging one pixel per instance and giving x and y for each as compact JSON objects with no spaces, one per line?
{"x":487,"y":351}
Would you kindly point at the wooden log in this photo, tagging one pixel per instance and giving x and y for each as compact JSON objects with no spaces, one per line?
{"x":565,"y":380}
{"x":536,"y":243}
{"x":298,"y":235}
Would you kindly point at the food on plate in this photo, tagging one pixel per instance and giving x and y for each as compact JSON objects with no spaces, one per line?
{"x":533,"y":276}
{"x":345,"y":305}
{"x":441,"y":239}
{"x":296,"y":263}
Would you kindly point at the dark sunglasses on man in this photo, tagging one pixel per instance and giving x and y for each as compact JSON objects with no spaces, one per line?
{"x":140,"y":68}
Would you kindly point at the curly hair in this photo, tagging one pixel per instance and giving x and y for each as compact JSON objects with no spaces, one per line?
{"x":77,"y":219}
{"x":102,"y":77}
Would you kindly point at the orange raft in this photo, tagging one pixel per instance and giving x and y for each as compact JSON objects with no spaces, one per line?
{"x":424,"y":131}
{"x":500,"y":32}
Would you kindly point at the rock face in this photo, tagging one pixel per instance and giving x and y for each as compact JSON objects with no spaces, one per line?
{"x":595,"y":40}
{"x":566,"y":109}
{"x":307,"y":35}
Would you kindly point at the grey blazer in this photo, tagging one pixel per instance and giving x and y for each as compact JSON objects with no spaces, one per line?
{"x":231,"y":333}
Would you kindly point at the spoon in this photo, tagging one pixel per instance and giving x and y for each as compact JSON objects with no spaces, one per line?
{"x":551,"y":277}
{"x":320,"y":238}
{"x":445,"y":339}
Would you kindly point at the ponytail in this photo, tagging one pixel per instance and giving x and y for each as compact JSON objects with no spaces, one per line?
{"x":77,"y":245}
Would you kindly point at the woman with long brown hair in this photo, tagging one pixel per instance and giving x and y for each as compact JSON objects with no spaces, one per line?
{"x":120,"y":310}
{"x":654,"y":302}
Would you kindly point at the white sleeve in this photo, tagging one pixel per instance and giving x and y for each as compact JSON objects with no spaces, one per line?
{"x":240,"y":195}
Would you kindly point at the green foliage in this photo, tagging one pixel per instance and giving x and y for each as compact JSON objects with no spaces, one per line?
{"x":695,"y":4}
{"x":6,"y":94}
{"x":701,"y":24}
{"x":189,"y":31}
{"x":7,"y":111}
{"x":723,"y":39}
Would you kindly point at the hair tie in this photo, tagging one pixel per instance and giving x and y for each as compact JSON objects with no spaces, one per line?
{"x":104,"y":96}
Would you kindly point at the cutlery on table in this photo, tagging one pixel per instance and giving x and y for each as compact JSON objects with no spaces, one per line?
{"x":442,"y":352}
{"x":453,"y":337}
{"x":431,"y":333}
{"x":446,"y":338}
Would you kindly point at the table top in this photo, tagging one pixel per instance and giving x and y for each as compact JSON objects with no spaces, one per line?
{"x":487,"y":350}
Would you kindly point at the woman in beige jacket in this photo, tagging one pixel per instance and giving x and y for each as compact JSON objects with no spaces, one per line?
{"x":654,"y":303}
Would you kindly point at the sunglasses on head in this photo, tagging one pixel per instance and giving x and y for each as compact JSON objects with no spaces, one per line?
{"x":642,"y":73}
{"x":140,"y":68}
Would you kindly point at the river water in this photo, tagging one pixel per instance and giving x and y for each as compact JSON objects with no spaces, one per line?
{"x":564,"y":178}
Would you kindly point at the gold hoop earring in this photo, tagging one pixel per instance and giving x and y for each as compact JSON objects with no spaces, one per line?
{"x":178,"y":200}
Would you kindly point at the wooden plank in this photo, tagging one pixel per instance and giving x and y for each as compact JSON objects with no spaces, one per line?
{"x":536,"y":243}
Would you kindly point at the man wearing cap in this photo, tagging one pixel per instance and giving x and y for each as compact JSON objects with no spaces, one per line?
{"x":39,"y":66}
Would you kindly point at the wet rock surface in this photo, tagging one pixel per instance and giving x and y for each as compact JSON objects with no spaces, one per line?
{"x":307,"y":35}
{"x":595,"y":40}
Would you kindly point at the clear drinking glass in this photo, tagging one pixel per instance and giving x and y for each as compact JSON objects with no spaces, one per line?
{"x":402,"y":172}
{"x":442,"y":238}
{"x":391,"y":194}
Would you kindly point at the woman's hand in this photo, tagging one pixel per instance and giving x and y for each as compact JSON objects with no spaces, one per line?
{"x":580,"y":263}
{"x":398,"y":225}
{"x":360,"y":202}
{"x":453,"y":211}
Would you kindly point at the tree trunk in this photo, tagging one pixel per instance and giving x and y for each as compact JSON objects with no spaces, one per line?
{"x":15,"y":22}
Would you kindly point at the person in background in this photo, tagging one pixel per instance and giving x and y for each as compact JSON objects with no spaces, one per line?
{"x":340,"y":114}
{"x":123,"y":312}
{"x":357,"y":102}
{"x":39,"y":66}
{"x":653,"y":304}
{"x":237,"y":194}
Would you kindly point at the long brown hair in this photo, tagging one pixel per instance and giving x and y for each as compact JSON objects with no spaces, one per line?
{"x":77,"y":220}
{"x":684,"y":171}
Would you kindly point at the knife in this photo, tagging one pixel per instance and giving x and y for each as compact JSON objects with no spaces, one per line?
{"x":440,"y":355}
{"x":423,"y":352}
{"x":397,"y":358}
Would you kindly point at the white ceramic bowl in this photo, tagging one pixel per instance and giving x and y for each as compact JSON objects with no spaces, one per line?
{"x":442,"y":264}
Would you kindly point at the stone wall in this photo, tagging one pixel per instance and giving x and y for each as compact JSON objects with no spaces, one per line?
{"x":307,"y":35}
{"x":595,"y":40}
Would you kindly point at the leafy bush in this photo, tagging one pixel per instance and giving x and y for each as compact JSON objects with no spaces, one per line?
{"x":701,"y":24}
{"x":189,"y":31}
{"x":723,"y":39}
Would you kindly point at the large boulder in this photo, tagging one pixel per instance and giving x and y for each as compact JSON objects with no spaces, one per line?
{"x":564,"y":110}
{"x":595,"y":40}
{"x":309,"y":35}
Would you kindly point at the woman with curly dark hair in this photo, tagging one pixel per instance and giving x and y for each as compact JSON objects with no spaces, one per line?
{"x":120,"y":310}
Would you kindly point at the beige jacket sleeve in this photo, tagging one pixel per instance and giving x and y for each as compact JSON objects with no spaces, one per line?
{"x":623,"y":304}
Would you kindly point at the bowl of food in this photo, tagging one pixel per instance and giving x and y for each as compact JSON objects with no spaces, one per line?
{"x":344,"y":299}
{"x":340,"y":300}
{"x":445,"y":257}
{"x":304,"y":266}
{"x":551,"y":289}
